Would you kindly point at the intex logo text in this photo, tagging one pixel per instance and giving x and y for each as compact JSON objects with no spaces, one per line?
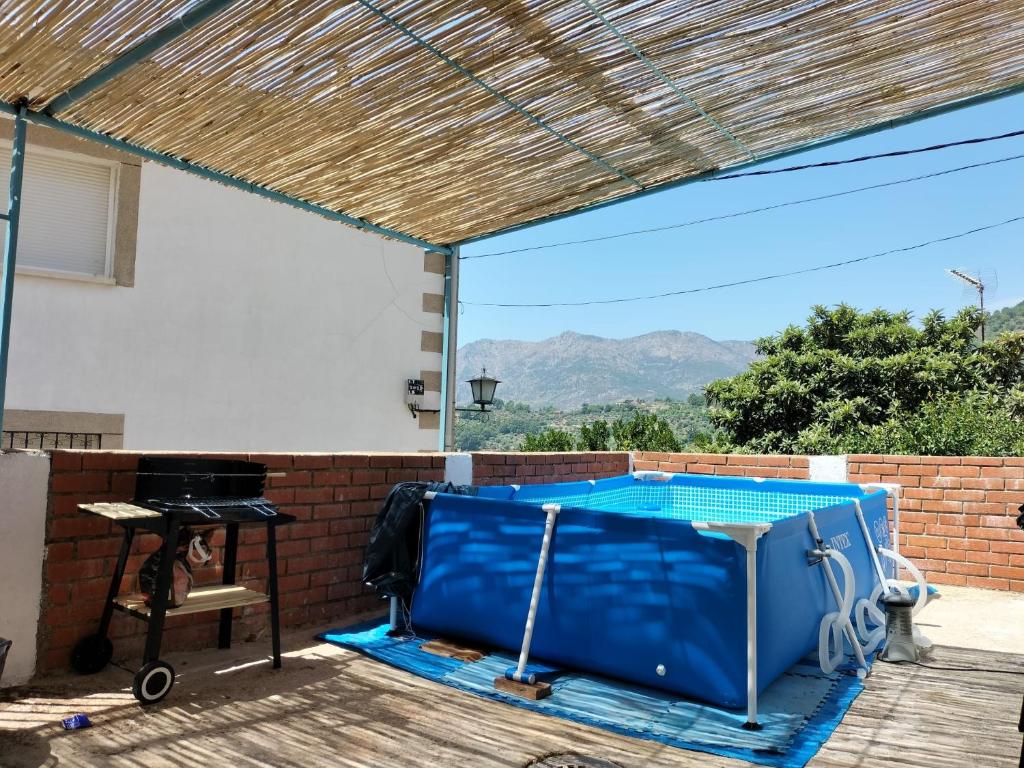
{"x":840,"y":541}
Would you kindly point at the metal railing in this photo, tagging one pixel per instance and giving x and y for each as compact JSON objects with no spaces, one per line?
{"x":51,"y":440}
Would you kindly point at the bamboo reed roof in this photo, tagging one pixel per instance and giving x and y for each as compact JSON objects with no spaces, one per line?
{"x":552,"y":105}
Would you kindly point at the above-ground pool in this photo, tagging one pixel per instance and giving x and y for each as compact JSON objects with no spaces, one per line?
{"x":649,"y":576}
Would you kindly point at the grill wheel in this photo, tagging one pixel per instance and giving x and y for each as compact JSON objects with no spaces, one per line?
{"x":153,"y":682}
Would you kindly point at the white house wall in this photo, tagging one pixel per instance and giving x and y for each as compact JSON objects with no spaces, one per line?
{"x":250,"y":326}
{"x":23,"y":485}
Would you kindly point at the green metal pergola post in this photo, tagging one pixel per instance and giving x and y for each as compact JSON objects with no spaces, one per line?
{"x":11,"y":249}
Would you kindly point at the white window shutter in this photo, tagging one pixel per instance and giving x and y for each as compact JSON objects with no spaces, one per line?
{"x":67,"y":213}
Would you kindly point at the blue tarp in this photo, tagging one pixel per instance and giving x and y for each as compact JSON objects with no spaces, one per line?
{"x":799,"y":711}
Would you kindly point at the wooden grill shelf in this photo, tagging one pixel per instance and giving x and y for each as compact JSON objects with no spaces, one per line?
{"x":213,"y":598}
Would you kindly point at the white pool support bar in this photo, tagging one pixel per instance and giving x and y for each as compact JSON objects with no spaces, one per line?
{"x":747,"y":536}
{"x":893,"y":489}
{"x":519,"y":675}
{"x":394,"y":605}
{"x":872,"y":548}
{"x":844,"y":621}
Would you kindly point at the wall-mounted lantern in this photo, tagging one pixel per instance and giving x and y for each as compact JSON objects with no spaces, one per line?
{"x":483,"y":387}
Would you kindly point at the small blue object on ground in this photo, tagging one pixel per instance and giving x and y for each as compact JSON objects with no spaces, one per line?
{"x":798,"y":712}
{"x":75,"y":722}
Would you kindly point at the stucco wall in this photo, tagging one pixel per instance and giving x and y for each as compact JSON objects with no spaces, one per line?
{"x":251,"y":327}
{"x":24,"y":480}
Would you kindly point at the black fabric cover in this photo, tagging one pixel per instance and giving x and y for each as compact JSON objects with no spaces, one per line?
{"x":391,"y":564}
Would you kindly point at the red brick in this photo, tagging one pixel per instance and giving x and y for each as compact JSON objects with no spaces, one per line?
{"x":95,"y":547}
{"x":280,"y":495}
{"x":955,"y":579}
{"x":75,"y":527}
{"x":313,"y":461}
{"x":974,"y":545}
{"x":984,"y":483}
{"x":111,"y":460}
{"x":314,"y":495}
{"x":61,"y":552}
{"x":80,"y":482}
{"x":925,"y":493}
{"x":332,"y":477}
{"x":354,"y":493}
{"x":1007,"y":572}
{"x":420,"y":462}
{"x":959,"y":471}
{"x":1015,"y":547}
{"x":900,"y":459}
{"x":74,"y":570}
{"x":368,"y":477}
{"x":982,"y":461}
{"x":400,"y":476}
{"x":998,"y":534}
{"x":987,"y":583}
{"x":65,"y":461}
{"x":1007,"y":497}
{"x":274,"y":461}
{"x":351,"y":461}
{"x":968,"y":569}
{"x":1011,"y":472}
{"x":300,"y":477}
{"x":945,"y":530}
{"x":286,"y":549}
{"x":990,"y":558}
{"x":953,"y":495}
{"x":385,"y":461}
{"x":292,"y":582}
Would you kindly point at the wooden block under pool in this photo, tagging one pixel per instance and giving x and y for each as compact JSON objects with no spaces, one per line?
{"x":522,"y":690}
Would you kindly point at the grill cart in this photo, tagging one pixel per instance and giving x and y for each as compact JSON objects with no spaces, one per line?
{"x":170,"y":494}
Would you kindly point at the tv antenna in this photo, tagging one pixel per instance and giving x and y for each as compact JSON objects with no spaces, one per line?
{"x":978,"y":284}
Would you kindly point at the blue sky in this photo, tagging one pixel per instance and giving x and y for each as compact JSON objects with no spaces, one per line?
{"x":791,"y":238}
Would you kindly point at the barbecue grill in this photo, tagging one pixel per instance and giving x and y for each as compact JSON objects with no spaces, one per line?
{"x":170,"y":494}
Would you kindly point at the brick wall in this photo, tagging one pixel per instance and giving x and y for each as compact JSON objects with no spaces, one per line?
{"x":523,"y":468}
{"x":957,"y":517}
{"x":739,"y":465}
{"x":334,"y":496}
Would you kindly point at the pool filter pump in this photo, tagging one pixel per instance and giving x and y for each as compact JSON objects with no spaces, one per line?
{"x":899,"y":628}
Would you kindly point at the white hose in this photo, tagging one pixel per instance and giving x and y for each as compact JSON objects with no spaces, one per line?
{"x":830,"y":632}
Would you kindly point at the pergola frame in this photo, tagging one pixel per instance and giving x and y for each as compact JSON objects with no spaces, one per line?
{"x":205,"y":10}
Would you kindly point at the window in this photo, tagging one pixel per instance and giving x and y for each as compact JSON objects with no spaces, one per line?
{"x":68,"y":212}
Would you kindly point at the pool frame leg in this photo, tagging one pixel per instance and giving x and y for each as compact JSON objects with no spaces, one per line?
{"x":747,"y":537}
{"x":752,"y":724}
{"x":520,"y":675}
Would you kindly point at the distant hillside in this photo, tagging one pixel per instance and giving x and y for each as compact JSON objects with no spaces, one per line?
{"x":1007,"y":319}
{"x":572,"y":369}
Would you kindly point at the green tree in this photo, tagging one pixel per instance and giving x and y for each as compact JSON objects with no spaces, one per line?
{"x":549,"y":440}
{"x":644,"y":432}
{"x":595,"y":436}
{"x":848,"y":375}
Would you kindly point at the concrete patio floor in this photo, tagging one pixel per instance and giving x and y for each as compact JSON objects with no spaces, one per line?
{"x":331,"y":707}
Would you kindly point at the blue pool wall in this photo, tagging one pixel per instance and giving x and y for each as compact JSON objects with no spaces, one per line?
{"x":627,"y":592}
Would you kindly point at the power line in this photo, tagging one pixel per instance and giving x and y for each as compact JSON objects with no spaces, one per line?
{"x":863,"y":158}
{"x":760,"y":279}
{"x":749,"y":211}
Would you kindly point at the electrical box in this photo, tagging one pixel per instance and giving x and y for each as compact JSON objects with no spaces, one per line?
{"x":414,"y":394}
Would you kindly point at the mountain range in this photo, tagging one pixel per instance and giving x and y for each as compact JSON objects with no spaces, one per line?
{"x":571,"y":369}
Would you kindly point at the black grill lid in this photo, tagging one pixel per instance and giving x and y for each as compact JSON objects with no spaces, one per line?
{"x":171,"y":478}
